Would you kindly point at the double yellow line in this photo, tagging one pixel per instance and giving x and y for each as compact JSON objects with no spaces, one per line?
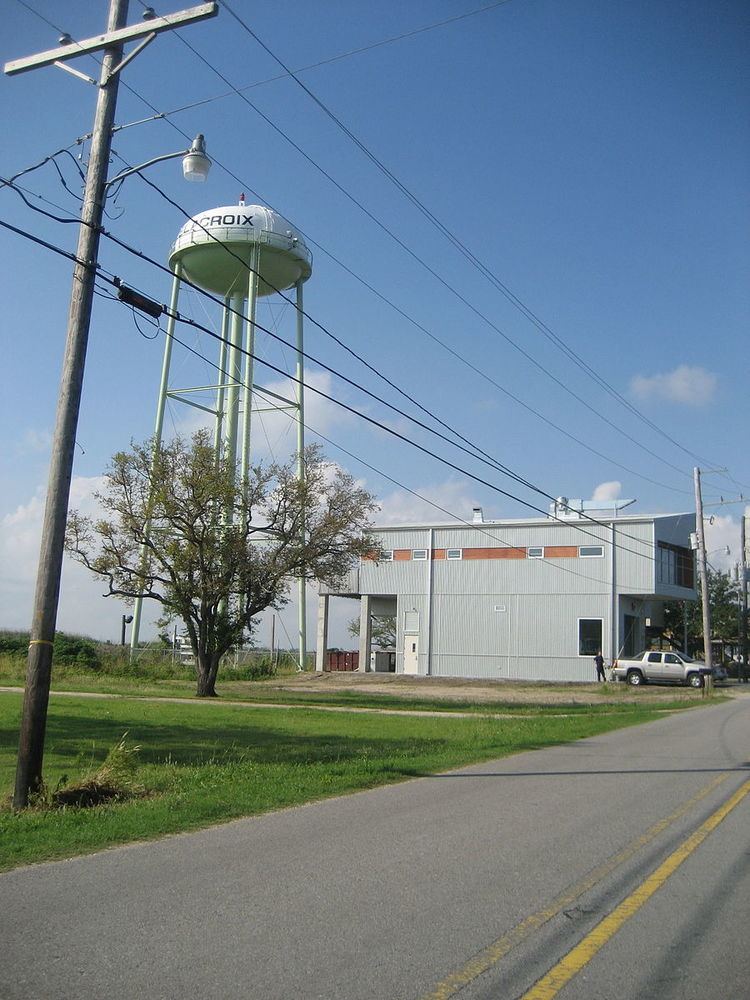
{"x":550,"y":984}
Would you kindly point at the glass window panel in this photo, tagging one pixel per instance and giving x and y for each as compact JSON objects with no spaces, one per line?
{"x":589,"y":636}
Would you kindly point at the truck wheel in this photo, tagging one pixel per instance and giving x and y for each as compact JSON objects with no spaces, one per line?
{"x":635,"y":677}
{"x":695,"y":680}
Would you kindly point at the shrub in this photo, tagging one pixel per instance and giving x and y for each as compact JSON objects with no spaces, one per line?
{"x":70,"y":650}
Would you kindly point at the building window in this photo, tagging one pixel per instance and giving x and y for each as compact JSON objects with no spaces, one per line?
{"x":386,"y":555}
{"x":535,"y":552}
{"x":453,"y":553}
{"x":675,"y":565}
{"x":589,"y":636}
{"x":419,"y":554}
{"x":590,"y":551}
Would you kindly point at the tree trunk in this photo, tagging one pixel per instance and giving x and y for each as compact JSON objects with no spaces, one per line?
{"x":207,"y":668}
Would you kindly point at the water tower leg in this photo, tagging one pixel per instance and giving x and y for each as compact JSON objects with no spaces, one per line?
{"x":247,"y":388}
{"x":300,"y":373}
{"x":222,"y":380}
{"x":233,"y":379}
{"x":161,"y":406}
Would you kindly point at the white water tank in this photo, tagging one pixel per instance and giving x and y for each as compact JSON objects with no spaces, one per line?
{"x":215,"y":249}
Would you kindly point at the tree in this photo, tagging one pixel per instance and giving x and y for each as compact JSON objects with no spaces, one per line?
{"x":383,"y":630}
{"x":180,"y":529}
{"x":723,"y":595}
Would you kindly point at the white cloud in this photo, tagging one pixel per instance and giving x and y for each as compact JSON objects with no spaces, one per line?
{"x":608,"y":491}
{"x":82,"y":607}
{"x":442,"y":502}
{"x":722,"y":532}
{"x":691,"y":385}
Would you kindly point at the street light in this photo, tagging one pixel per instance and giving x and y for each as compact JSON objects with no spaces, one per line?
{"x":126,"y":620}
{"x":195,"y":164}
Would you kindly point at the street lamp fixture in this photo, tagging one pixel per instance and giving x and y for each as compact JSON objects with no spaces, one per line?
{"x":195,"y":163}
{"x":126,"y":620}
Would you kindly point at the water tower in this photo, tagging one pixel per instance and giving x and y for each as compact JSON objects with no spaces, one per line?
{"x":240,"y":253}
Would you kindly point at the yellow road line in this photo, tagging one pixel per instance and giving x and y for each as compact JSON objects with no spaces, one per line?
{"x":550,"y":985}
{"x":493,"y":953}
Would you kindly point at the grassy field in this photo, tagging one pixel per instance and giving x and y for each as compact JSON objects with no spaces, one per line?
{"x":288,"y":688}
{"x":204,"y":763}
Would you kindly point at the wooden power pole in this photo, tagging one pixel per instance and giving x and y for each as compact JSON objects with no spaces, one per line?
{"x":703,"y":569}
{"x":39,"y":668}
{"x":743,"y":671}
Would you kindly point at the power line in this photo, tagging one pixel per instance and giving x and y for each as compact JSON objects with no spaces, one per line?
{"x":482,"y":530}
{"x":235,"y":90}
{"x":488,"y":460}
{"x":312,"y":242}
{"x":375,"y":370}
{"x":486,"y":531}
{"x":337,"y":58}
{"x":415,"y":256}
{"x":116,"y":282}
{"x":468,"y":254}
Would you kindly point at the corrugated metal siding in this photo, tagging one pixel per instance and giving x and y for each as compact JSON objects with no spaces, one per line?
{"x":468,"y":624}
{"x":636,"y":566}
{"x":530,"y":576}
{"x":523,"y":668}
{"x":535,"y":637}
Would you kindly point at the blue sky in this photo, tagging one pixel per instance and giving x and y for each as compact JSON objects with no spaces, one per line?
{"x":592,"y":155}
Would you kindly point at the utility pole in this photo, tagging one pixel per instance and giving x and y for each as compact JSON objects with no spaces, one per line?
{"x":703,"y":571}
{"x":39,"y":667}
{"x":742,"y":672}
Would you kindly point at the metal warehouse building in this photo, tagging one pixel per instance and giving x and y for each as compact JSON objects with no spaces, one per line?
{"x":526,"y":599}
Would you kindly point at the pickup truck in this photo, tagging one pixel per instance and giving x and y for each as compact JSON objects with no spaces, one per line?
{"x":662,"y":668}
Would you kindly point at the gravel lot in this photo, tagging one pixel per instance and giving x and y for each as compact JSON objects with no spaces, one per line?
{"x":458,"y":689}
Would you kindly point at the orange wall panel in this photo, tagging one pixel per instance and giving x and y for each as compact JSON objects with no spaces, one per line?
{"x":560,"y":551}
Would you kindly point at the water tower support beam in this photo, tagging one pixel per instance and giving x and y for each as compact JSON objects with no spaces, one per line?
{"x":232,"y":398}
{"x":302,"y":621}
{"x":247,"y":387}
{"x":161,"y":405}
{"x":222,"y":381}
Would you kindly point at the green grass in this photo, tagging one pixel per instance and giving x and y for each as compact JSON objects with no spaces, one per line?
{"x":147,"y":682}
{"x":206,"y":763}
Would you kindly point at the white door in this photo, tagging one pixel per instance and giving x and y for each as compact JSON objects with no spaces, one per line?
{"x":411,"y":654}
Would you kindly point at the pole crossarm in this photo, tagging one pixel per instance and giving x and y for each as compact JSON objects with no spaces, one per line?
{"x":110,"y":38}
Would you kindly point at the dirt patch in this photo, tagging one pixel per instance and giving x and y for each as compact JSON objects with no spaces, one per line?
{"x":461,"y":690}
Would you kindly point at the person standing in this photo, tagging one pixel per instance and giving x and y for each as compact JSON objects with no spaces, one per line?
{"x":599,"y":661}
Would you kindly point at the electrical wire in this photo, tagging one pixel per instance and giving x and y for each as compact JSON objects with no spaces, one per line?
{"x":291,"y":73}
{"x":484,"y":530}
{"x":115,"y":281}
{"x":442,"y":228}
{"x":488,"y":458}
{"x":333,"y":59}
{"x":379,"y":373}
{"x":493,"y":463}
{"x":415,"y":256}
{"x":312,"y":242}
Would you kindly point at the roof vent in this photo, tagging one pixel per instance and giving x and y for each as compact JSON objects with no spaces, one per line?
{"x":477,"y":515}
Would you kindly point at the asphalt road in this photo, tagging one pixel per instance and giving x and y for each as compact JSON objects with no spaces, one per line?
{"x":619,"y":862}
